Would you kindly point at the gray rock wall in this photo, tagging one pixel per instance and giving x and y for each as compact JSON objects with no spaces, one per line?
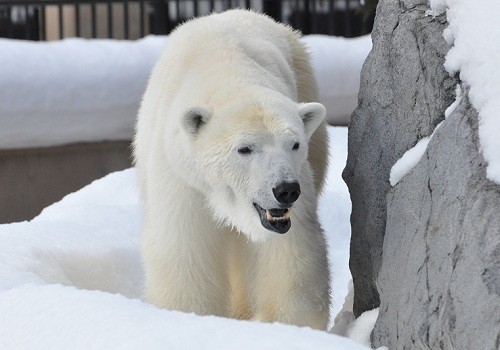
{"x":440,"y":282}
{"x":403,"y":95}
{"x":427,"y":249}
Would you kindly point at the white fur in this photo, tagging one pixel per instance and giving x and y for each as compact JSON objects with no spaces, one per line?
{"x":225,"y":82}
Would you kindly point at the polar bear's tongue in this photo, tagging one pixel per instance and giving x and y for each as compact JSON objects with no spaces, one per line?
{"x":276,"y":220}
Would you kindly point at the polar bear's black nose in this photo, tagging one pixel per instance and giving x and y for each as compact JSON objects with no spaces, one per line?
{"x":287,"y":192}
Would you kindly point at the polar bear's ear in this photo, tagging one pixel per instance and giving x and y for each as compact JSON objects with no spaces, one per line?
{"x":195,"y":118}
{"x":312,"y":114}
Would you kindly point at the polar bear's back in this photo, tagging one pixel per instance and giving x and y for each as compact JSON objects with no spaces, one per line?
{"x":233,"y":26}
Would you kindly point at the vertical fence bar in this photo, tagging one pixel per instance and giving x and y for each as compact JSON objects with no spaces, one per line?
{"x":195,"y":7}
{"x":109,"y":10}
{"x":295,"y":18}
{"x":10,"y":29}
{"x":273,"y":9}
{"x":141,"y":20}
{"x":314,"y":18}
{"x":331,"y":19}
{"x":212,"y":5}
{"x":125,"y":19}
{"x":60,"y":21}
{"x":93,"y":20}
{"x":307,"y":18}
{"x":42,"y":22}
{"x":27,"y":23}
{"x":348,"y":20}
{"x":177,"y":10}
{"x":247,"y":4}
{"x":77,"y":20}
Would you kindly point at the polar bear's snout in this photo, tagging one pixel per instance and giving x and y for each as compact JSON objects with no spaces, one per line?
{"x":287,"y":192}
{"x":277,"y":220}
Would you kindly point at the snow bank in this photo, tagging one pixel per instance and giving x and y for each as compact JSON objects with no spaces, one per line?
{"x":74,"y":90}
{"x":474,"y":30}
{"x":71,"y":278}
{"x":78,"y":90}
{"x":337,"y":65}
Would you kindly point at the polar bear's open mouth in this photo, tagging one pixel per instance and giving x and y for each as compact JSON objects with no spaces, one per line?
{"x":277,"y":220}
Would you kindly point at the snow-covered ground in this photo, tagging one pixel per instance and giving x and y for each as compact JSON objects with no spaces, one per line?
{"x":78,"y":90}
{"x":71,"y":278}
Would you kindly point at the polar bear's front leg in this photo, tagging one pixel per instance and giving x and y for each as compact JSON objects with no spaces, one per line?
{"x":185,"y":262}
{"x":293,"y":281}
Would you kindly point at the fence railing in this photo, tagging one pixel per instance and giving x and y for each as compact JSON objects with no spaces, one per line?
{"x":132,"y":19}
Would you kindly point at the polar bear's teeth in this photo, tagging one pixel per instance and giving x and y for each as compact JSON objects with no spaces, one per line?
{"x":285,"y":216}
{"x":268,"y":215}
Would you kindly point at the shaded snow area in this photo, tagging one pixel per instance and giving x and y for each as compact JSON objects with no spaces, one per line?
{"x":474,"y":30}
{"x":78,"y":90}
{"x":70,"y":278}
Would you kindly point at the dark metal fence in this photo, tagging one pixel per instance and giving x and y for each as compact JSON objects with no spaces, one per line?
{"x":132,"y":19}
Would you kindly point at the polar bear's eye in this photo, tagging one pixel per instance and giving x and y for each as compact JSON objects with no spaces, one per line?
{"x":245,"y":150}
{"x":296,"y":146}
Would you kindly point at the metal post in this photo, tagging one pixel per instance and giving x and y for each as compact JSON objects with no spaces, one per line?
{"x":273,"y":9}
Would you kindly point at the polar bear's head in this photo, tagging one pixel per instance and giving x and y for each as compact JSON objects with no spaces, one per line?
{"x":247,"y":159}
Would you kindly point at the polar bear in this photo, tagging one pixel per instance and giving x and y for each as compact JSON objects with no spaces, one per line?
{"x":231,"y":151}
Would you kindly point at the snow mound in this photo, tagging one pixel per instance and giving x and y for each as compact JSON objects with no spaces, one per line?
{"x":71,"y":278}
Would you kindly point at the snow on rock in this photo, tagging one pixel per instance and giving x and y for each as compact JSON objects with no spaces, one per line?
{"x":79,"y":90}
{"x":475,"y":54}
{"x":71,"y":277}
{"x":408,"y":161}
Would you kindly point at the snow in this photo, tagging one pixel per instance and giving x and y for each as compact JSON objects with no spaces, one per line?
{"x":74,"y":90}
{"x":361,"y":329}
{"x":71,"y":278}
{"x":474,"y":30}
{"x":78,"y":90}
{"x":408,"y":161}
{"x":337,"y":65}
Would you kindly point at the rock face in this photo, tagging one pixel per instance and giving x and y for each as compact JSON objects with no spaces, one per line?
{"x":438,"y":278}
{"x":403,"y":95}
